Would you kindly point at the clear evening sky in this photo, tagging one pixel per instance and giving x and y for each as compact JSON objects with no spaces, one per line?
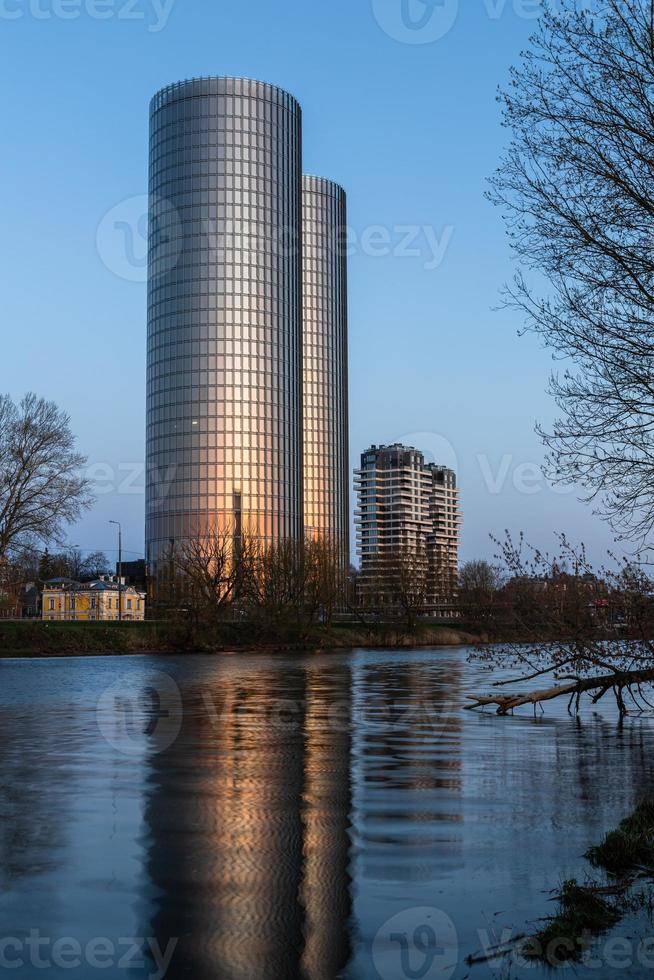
{"x":399,"y":107}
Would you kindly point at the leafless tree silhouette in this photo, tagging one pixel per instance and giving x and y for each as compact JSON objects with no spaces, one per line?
{"x":577,"y":190}
{"x":42,"y":488}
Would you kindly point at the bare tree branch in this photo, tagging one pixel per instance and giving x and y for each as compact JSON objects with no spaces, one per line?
{"x":42,"y":488}
{"x":576,"y":188}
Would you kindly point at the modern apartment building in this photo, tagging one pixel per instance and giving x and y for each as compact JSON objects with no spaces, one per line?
{"x":407,"y":510}
{"x":444,"y":527}
{"x":227,"y":341}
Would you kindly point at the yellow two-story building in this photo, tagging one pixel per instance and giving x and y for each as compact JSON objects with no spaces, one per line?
{"x":66,"y":600}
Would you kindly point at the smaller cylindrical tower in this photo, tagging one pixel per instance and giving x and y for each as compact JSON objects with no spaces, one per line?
{"x":324,"y":362}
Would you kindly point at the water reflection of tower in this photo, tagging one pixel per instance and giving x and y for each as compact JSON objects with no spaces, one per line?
{"x":326,"y":892}
{"x":247,"y":829}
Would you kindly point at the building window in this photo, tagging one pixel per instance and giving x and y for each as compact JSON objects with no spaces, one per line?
{"x":129,"y":603}
{"x":51,"y":603}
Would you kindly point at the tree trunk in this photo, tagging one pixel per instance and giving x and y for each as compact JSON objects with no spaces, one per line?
{"x":618,"y":681}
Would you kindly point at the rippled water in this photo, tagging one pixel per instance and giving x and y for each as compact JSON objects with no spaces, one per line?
{"x":280,"y":816}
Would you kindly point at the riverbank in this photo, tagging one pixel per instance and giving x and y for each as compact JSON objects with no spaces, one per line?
{"x":45,"y":639}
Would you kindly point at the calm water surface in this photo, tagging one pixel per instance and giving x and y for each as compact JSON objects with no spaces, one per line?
{"x":278,"y":817}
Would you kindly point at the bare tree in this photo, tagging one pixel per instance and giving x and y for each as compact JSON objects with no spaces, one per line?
{"x":584,"y":631}
{"x":396,"y":585}
{"x":41,"y":487}
{"x":408,"y":583}
{"x":478,"y":593}
{"x":211,"y":571}
{"x":480,"y":578}
{"x":277,"y":588}
{"x":577,"y":190}
{"x":285,"y":589}
{"x":93,"y":565}
{"x":324,"y":580}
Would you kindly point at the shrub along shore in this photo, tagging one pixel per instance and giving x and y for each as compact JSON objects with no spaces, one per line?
{"x":35,"y":638}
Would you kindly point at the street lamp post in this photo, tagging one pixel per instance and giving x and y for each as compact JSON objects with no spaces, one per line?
{"x":120,"y":568}
{"x":69,"y":561}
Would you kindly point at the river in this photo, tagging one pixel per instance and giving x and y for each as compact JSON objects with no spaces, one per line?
{"x":282,"y":816}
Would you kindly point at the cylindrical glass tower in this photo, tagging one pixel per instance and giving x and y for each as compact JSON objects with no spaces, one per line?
{"x":324,"y":352}
{"x":224,"y":387}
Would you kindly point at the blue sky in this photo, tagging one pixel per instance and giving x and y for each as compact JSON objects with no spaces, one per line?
{"x":404,"y":117}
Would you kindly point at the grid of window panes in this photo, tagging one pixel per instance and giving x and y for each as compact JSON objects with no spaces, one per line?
{"x":224,"y":311}
{"x":325,"y":407}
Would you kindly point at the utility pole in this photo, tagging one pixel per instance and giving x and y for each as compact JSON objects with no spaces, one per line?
{"x":120,"y":569}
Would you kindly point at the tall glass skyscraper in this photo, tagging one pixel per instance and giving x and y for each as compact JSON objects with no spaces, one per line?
{"x":224,"y":385}
{"x":247,"y":322}
{"x":324,"y":353}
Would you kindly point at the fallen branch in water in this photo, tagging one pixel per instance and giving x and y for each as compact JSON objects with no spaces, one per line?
{"x":495,"y":952}
{"x":618,"y":682}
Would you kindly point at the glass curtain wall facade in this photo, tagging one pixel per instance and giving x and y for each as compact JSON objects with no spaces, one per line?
{"x":224,"y":375}
{"x":325,"y":410}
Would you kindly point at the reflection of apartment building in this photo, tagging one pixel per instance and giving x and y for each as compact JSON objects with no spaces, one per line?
{"x":66,"y":600}
{"x":407,"y":514}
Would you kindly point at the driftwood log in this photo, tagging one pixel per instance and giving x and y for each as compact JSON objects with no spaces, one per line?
{"x":617,"y":682}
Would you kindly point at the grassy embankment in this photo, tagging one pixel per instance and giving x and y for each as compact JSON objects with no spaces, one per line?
{"x":587,"y":911}
{"x":43,"y":639}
